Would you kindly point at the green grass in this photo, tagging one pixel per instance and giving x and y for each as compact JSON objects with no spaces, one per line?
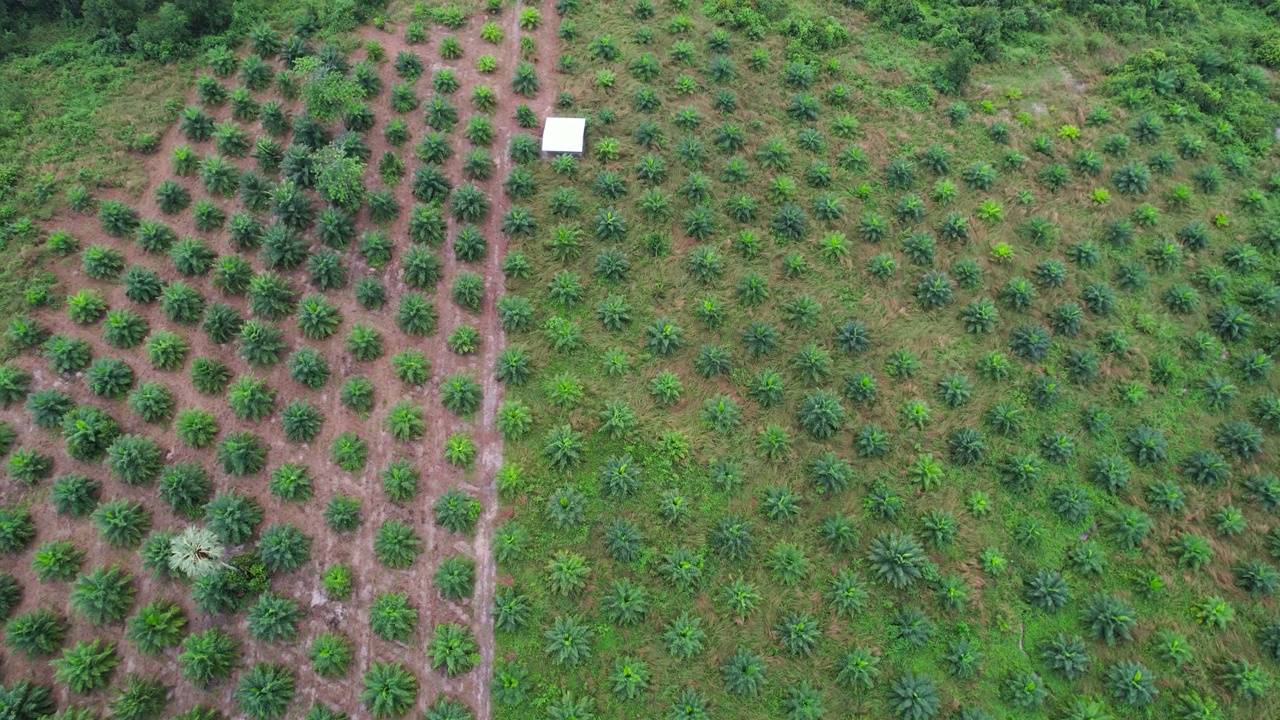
{"x":899,"y":115}
{"x":71,"y":114}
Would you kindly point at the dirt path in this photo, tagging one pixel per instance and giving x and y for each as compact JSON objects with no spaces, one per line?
{"x":488,"y":441}
{"x":479,"y":481}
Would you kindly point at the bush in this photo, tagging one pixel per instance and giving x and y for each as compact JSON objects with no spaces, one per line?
{"x":218,"y":588}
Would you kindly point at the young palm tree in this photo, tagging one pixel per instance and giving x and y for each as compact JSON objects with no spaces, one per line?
{"x":157,"y":626}
{"x":104,"y":595}
{"x":208,"y":656}
{"x":265,"y":691}
{"x":87,"y":666}
{"x":390,"y":690}
{"x":453,"y":648}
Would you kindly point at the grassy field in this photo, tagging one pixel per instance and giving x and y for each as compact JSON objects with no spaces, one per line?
{"x":1066,"y":277}
{"x":875,"y":360}
{"x":70,"y":116}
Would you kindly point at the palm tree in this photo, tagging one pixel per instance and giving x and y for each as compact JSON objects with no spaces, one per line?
{"x":197,"y":553}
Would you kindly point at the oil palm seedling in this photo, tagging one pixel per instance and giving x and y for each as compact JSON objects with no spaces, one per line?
{"x":452,"y":649}
{"x":265,"y":691}
{"x":121,"y":523}
{"x":396,"y":544}
{"x":36,"y":633}
{"x":272,"y":618}
{"x":392,"y":617}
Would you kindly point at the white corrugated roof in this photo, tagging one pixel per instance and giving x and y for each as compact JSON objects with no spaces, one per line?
{"x":563,"y":134}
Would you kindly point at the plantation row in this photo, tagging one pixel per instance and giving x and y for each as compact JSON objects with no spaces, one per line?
{"x":779,"y":436}
{"x":246,"y":311}
{"x":814,"y":406}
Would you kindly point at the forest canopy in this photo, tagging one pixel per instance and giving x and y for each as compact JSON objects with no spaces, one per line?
{"x":166,"y":30}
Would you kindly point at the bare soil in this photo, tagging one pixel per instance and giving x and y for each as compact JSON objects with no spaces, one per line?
{"x":322,"y":615}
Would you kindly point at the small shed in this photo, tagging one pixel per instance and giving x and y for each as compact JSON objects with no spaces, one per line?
{"x":564,"y":135}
